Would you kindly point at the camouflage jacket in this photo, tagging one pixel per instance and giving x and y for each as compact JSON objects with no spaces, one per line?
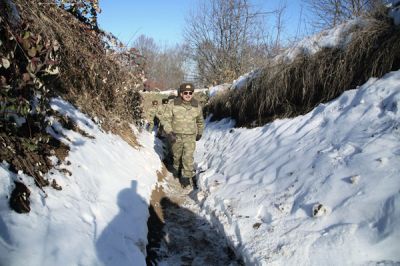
{"x":151,"y":114}
{"x":161,"y":112}
{"x":184,"y":118}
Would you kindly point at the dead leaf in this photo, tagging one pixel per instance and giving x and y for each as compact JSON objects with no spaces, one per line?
{"x":39,"y":38}
{"x":26,"y":44}
{"x":26,"y":77}
{"x":55,"y":185}
{"x":3,"y":80}
{"x":56,"y":45}
{"x":39,"y":48}
{"x":31,"y":68}
{"x":27,"y":34}
{"x":5,"y":63}
{"x":32,"y":52}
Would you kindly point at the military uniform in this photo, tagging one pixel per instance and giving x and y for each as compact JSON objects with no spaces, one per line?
{"x":161,"y":111}
{"x":160,"y":115}
{"x":185,"y":121}
{"x":152,"y":116}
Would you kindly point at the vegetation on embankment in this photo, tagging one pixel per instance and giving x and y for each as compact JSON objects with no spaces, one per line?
{"x":283,"y":89}
{"x":49,"y":49}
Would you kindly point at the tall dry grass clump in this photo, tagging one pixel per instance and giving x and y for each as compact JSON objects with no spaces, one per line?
{"x":290,"y":89}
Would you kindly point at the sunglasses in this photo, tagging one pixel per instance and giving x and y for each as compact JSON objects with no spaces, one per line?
{"x":187,"y":93}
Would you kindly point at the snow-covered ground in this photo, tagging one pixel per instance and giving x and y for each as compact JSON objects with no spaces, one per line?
{"x":100,"y":215}
{"x":395,"y":11}
{"x":262,"y":186}
{"x":259,"y":187}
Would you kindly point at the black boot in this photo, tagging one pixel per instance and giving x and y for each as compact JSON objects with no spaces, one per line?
{"x":175,"y":173}
{"x":184,"y":181}
{"x":194,"y":182}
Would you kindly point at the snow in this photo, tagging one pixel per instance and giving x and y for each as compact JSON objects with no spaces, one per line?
{"x":318,"y":189}
{"x":242,"y":81}
{"x":395,"y":11}
{"x":175,"y":91}
{"x":238,"y":84}
{"x":100,"y":215}
{"x":219,"y":89}
{"x":169,"y":92}
{"x":339,"y":36}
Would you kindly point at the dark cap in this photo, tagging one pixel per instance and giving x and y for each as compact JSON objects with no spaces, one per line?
{"x":164,"y":101}
{"x":154,"y":102}
{"x":186,"y":87}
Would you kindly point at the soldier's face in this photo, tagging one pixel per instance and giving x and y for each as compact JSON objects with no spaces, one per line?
{"x":187,"y":95}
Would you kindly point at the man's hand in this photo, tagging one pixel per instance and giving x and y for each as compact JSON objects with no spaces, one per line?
{"x":198,"y":137}
{"x":171,"y":137}
{"x":149,"y":128}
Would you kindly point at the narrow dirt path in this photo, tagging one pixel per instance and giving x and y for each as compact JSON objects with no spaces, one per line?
{"x":178,"y":235}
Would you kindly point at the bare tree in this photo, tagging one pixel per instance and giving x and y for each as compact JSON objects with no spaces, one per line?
{"x":223,"y":36}
{"x":148,"y":48}
{"x":169,"y":68}
{"x":329,"y":13}
{"x":164,"y":66}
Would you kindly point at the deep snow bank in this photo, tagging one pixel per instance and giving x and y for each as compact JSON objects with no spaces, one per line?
{"x":261,"y":184}
{"x":100,"y":216}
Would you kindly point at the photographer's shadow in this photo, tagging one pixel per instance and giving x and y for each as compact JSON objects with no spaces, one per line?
{"x":118,"y":243}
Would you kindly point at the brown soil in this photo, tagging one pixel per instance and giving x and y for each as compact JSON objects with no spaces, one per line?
{"x":155,"y":223}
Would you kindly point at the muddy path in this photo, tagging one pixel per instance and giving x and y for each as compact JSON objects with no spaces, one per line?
{"x":178,"y":235}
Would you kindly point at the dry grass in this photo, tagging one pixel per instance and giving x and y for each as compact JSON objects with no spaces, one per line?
{"x":287,"y":90}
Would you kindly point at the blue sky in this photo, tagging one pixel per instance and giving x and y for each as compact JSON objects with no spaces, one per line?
{"x":164,"y":20}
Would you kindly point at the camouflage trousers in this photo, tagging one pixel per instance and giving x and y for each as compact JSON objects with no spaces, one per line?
{"x":183,"y":150}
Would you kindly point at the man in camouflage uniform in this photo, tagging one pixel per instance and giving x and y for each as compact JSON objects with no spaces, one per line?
{"x":161,"y":132}
{"x":152,"y":115}
{"x":161,"y":111}
{"x":184,"y":125}
{"x":160,"y":115}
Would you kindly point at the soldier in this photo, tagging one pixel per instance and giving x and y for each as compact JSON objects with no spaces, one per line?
{"x":184,"y":125}
{"x":171,"y":98}
{"x":161,"y":132}
{"x":152,"y":116}
{"x":160,"y":114}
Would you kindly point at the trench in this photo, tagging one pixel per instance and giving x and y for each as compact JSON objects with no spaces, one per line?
{"x":177,"y":234}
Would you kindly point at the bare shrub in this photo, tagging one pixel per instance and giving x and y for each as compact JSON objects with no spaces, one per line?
{"x":93,"y":76}
{"x":45,"y":51}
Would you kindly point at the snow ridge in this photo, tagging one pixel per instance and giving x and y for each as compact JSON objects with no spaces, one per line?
{"x":261,"y":185}
{"x":100,"y":215}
